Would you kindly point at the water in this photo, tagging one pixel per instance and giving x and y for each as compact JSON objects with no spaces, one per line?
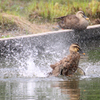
{"x":50,"y":89}
{"x":23,"y":76}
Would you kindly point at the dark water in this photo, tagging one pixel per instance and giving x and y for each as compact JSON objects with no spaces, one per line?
{"x":28,"y":80}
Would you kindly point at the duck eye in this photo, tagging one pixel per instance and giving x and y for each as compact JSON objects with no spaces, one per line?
{"x":77,"y":49}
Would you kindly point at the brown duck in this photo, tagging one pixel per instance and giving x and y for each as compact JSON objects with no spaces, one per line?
{"x":68,"y":65}
{"x":76,"y":22}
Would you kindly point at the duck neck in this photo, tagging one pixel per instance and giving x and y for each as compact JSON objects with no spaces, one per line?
{"x":71,"y":52}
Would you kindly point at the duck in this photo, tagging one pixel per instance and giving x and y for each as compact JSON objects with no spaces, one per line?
{"x":78,"y":21}
{"x":69,"y":64}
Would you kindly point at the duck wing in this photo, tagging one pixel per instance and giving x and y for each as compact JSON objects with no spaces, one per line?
{"x":61,"y":63}
{"x":80,"y":71}
{"x":68,"y":22}
{"x":57,"y":67}
{"x":70,"y":65}
{"x":61,"y":17}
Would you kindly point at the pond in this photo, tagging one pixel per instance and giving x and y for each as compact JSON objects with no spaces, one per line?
{"x":25,"y":78}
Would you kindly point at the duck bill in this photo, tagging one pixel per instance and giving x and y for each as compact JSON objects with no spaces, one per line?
{"x":81,"y":52}
{"x":86,"y":17}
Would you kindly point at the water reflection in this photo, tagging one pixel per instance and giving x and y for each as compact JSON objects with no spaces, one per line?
{"x":45,"y":89}
{"x":30,"y":89}
{"x":70,"y":87}
{"x":16,"y":90}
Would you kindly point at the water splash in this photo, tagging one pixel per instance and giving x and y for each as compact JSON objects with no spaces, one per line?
{"x":32,"y":65}
{"x":33,"y":70}
{"x":91,"y":69}
{"x":32,"y":57}
{"x":38,"y":65}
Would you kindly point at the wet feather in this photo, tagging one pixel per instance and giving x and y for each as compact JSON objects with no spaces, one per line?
{"x":68,"y":65}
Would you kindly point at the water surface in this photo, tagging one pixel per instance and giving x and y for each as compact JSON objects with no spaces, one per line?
{"x":25,"y":77}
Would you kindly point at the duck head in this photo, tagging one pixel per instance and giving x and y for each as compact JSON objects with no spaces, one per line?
{"x":74,"y":48}
{"x":81,"y":14}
